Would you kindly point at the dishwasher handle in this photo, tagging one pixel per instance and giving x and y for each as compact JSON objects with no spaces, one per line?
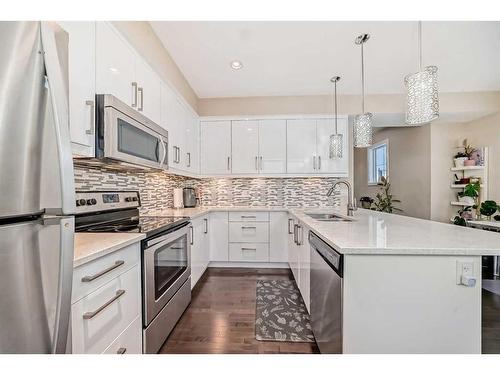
{"x":333,"y":258}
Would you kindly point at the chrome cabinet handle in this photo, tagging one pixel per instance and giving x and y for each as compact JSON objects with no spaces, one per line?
{"x":87,"y":279}
{"x":246,"y":227}
{"x":141,"y":90}
{"x":248,"y":216}
{"x":256,"y":163}
{"x":206,"y":225}
{"x":192,"y":235}
{"x":229,"y":163}
{"x":121,"y":351}
{"x":319,"y":162}
{"x":295,"y":233}
{"x":249,"y":248}
{"x":178,"y":154}
{"x":91,"y":104}
{"x":290,"y":221}
{"x":299,"y":237}
{"x":314,"y":162}
{"x":91,"y":314}
{"x":260,"y":163}
{"x":189,"y":159}
{"x":134,"y":103}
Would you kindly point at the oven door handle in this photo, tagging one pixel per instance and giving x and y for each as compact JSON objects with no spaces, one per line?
{"x":160,"y":241}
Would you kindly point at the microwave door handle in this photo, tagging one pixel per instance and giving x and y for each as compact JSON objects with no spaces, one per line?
{"x":164,"y":148}
{"x":157,"y":150}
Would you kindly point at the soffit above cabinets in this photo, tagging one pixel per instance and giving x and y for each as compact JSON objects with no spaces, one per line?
{"x":298,"y":58}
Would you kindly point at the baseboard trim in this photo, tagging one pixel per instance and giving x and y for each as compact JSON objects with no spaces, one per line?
{"x":248,"y":265}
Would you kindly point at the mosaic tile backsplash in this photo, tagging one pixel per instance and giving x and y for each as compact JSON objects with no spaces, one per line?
{"x":156,"y":189}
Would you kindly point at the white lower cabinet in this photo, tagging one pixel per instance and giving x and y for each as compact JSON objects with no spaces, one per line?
{"x":200,"y":250}
{"x":299,"y":258}
{"x":129,"y":341}
{"x":106,"y":307}
{"x":249,"y":252}
{"x":257,"y":232}
{"x":278,"y":237}
{"x":219,"y":237}
{"x":293,"y":250}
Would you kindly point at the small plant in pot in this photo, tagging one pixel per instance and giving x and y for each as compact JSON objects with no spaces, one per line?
{"x":488,"y":208}
{"x":463,"y":158}
{"x":366,"y":202}
{"x":470,"y":194}
{"x":463,"y":215}
{"x":460,"y":158}
{"x":385,"y":200}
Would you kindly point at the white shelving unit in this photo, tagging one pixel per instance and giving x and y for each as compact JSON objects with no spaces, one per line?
{"x":480,"y":171}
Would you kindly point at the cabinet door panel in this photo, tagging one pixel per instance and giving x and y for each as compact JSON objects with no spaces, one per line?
{"x":219,"y":237}
{"x":301,"y":146}
{"x":278,"y":237}
{"x":82,"y":85}
{"x":115,"y":65}
{"x":215,"y":147}
{"x":272,"y":146}
{"x":197,"y":251}
{"x":149,"y":82}
{"x":169,"y":121}
{"x":245,"y":143}
{"x":325,"y":128}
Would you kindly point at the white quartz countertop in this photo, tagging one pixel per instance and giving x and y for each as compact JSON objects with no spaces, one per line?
{"x":373,"y":232}
{"x":91,"y":246}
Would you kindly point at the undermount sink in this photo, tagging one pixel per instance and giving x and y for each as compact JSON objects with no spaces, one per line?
{"x":326,"y":217}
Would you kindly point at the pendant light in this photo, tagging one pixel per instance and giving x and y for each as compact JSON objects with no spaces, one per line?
{"x":336,"y":138}
{"x":363,"y":129}
{"x":422,"y":101}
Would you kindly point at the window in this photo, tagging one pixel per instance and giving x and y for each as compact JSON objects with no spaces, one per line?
{"x":378,"y":162}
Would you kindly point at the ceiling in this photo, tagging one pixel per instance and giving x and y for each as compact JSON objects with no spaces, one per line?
{"x":299,"y":58}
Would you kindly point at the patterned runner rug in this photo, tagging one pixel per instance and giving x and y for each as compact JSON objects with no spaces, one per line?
{"x":281,"y":314}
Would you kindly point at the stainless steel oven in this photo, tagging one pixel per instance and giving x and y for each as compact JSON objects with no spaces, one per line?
{"x":124,"y":135}
{"x":166,"y":283}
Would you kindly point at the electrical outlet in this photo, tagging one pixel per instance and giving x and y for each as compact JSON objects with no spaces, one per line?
{"x":464,"y":268}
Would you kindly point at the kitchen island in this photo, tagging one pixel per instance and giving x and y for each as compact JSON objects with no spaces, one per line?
{"x":402,"y":286}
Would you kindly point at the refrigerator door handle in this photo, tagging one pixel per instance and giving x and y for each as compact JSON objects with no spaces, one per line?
{"x":63,"y":307}
{"x":55,"y":47}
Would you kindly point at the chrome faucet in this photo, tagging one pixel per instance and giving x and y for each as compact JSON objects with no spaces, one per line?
{"x":351,"y":206}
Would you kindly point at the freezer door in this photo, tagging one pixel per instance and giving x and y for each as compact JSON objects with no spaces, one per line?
{"x":36,"y":267}
{"x":36,"y":167}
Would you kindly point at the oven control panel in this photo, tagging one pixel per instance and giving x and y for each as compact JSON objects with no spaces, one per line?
{"x":94,"y":201}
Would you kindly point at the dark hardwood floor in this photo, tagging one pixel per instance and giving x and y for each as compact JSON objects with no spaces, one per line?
{"x":490,"y":323}
{"x":221,"y":316}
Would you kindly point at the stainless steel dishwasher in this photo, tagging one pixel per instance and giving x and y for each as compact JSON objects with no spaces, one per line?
{"x":326,"y":295}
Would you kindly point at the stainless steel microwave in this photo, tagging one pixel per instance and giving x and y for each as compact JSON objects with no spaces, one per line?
{"x":127,"y":137}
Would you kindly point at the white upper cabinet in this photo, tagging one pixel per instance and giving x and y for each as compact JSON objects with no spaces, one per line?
{"x":301,"y":146}
{"x":325,"y":128}
{"x":193,"y":143}
{"x":245,"y":146}
{"x":115,"y":65}
{"x":215,"y":147}
{"x":82,"y":86}
{"x":148,"y":91}
{"x":272,"y":146}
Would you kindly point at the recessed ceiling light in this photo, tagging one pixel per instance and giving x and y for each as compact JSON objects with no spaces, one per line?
{"x":236,"y":65}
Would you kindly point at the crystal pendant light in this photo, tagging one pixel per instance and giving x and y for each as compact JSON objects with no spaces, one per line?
{"x":422,"y":101}
{"x":336,"y":138}
{"x":363,"y":130}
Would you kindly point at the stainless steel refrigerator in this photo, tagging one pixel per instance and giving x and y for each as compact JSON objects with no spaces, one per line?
{"x":36,"y":189}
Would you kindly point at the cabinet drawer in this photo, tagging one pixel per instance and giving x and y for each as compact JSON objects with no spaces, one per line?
{"x":114,"y":306}
{"x":129,"y":341}
{"x":249,"y":216}
{"x":248,"y":232}
{"x":102,"y":270}
{"x":249,"y":252}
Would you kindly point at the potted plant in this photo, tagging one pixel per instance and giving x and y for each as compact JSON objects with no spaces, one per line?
{"x":459,"y":159}
{"x":488,"y":208}
{"x":385,"y":200}
{"x":464,"y":214}
{"x":468,"y":150}
{"x":470,"y":194}
{"x":366,"y":202}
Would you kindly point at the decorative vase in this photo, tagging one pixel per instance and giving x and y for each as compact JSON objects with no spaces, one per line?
{"x":468,"y":200}
{"x":469,"y":163}
{"x":459,"y":162}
